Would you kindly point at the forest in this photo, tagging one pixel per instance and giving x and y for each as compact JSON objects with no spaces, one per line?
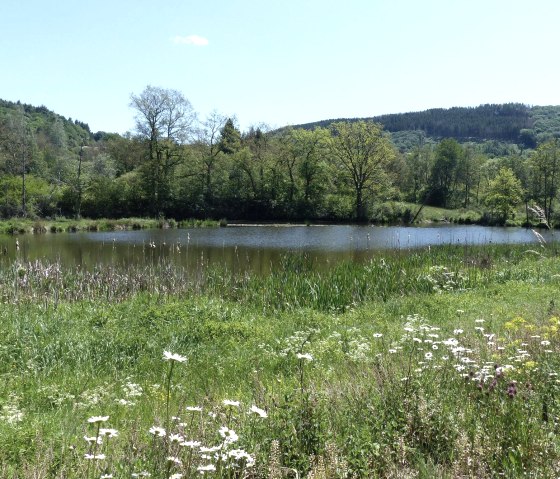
{"x":492,"y":163}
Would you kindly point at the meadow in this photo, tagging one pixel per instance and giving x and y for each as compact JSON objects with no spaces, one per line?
{"x":435,"y":363}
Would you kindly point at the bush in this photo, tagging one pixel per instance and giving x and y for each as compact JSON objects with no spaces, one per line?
{"x":391,"y":213}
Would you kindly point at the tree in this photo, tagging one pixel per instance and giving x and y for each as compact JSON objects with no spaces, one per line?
{"x":301,"y":158}
{"x":209,"y":149}
{"x":545,"y":168}
{"x":417,"y":167}
{"x":165,"y":121}
{"x":504,"y":193}
{"x":230,"y":138}
{"x":362,"y":152}
{"x":18,"y":143}
{"x":447,"y":155}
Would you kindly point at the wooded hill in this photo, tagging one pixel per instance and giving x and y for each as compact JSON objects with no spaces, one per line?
{"x":511,"y":123}
{"x":490,"y":159}
{"x":49,"y":128}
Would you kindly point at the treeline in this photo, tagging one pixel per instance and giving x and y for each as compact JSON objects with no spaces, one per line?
{"x":512,"y":123}
{"x":179,"y":166}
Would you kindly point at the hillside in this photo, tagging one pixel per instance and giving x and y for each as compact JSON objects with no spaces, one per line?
{"x":48,"y":128}
{"x":510,"y":123}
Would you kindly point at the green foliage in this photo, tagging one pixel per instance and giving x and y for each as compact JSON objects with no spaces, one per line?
{"x":177,"y":169}
{"x":448,"y":154}
{"x":42,"y":198}
{"x":362,"y":153}
{"x":504,"y":193}
{"x":230,"y":138}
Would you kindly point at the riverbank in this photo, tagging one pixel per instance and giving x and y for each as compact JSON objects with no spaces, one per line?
{"x":385,"y":214}
{"x":430,"y":364}
{"x":42,"y":226}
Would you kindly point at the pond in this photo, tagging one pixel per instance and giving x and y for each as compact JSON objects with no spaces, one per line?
{"x":257,"y":248}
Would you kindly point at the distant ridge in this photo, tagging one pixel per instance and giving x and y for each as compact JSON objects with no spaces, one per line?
{"x":510,"y":122}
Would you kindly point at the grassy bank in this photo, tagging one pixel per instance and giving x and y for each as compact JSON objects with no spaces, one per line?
{"x":436,"y":363}
{"x":41,"y":226}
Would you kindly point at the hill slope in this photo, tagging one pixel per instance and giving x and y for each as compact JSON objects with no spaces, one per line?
{"x":511,"y":123}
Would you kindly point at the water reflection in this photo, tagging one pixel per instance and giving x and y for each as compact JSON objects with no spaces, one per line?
{"x":258,"y":248}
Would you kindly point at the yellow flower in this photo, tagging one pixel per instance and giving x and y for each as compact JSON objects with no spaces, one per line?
{"x":530,"y":365}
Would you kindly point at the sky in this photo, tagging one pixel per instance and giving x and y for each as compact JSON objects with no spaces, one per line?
{"x":281,"y":62}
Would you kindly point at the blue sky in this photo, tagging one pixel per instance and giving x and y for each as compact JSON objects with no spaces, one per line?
{"x":278,"y":63}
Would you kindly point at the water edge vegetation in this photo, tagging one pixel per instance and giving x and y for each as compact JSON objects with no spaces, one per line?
{"x":441,"y":362}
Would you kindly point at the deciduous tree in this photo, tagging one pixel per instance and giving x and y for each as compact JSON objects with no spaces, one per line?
{"x":165,"y":120}
{"x":362,"y":152}
{"x":504,"y":193}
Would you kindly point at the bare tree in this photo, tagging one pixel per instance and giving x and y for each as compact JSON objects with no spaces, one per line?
{"x":208,"y":145}
{"x":165,"y":120}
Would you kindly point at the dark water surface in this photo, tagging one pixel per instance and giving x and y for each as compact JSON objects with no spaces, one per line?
{"x":257,"y":248}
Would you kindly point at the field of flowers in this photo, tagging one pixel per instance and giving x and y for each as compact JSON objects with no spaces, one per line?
{"x":428,"y":364}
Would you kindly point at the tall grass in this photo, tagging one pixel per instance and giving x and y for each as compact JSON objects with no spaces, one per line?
{"x":438,"y":363}
{"x":296,"y":283}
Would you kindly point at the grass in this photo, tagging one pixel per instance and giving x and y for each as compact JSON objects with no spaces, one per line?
{"x":60,"y":225}
{"x":436,"y":363}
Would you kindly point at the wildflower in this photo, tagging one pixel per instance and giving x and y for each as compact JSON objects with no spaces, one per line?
{"x":229,"y":402}
{"x":377,"y":335}
{"x":257,"y":410}
{"x":392,"y":351}
{"x":94,"y":456}
{"x":141,"y":474}
{"x":457,"y":331}
{"x":96,"y":419}
{"x":92,"y":439}
{"x":210,"y":449}
{"x":240,"y":454}
{"x":168,"y":356}
{"x":106,"y":476}
{"x":108,"y":432}
{"x":191,"y":444}
{"x":176,"y":438}
{"x":157,"y":431}
{"x":207,"y":468}
{"x":428,"y":356}
{"x":177,"y":475}
{"x":305,"y":356}
{"x":545,"y":343}
{"x":479,"y":320}
{"x":228,"y":434}
{"x":174,"y":460}
{"x":511,"y":390}
{"x":193,"y":408}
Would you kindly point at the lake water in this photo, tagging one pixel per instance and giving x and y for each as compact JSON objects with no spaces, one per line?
{"x":257,"y":248}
